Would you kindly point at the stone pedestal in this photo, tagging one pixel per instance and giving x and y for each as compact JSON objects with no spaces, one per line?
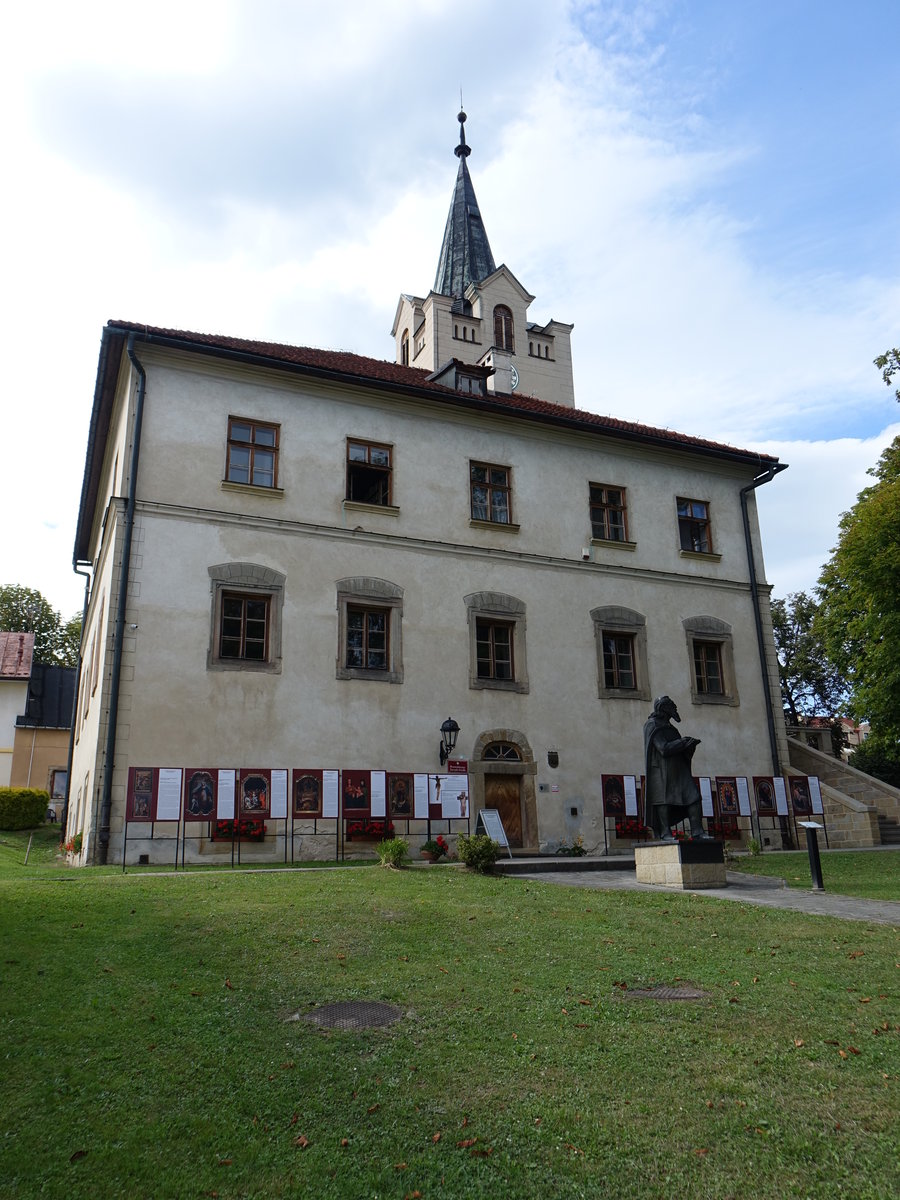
{"x":681,"y":864}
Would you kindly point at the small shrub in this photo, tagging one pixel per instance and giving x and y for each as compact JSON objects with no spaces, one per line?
{"x":576,"y":850}
{"x":438,"y":846}
{"x":23,"y":808}
{"x":73,"y":845}
{"x":392,"y":852}
{"x":478,"y":852}
{"x":753,"y":847}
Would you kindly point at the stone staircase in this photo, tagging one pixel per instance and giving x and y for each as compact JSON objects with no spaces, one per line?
{"x":859,"y":809}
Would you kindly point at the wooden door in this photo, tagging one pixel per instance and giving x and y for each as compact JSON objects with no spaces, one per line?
{"x":504,"y":792}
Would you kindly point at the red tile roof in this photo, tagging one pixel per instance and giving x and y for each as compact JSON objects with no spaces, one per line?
{"x":16,"y":652}
{"x":357,"y":366}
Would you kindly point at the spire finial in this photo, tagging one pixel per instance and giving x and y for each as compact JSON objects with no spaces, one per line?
{"x":462,"y":150}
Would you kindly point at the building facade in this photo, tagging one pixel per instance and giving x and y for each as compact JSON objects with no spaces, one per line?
{"x":308,"y":560}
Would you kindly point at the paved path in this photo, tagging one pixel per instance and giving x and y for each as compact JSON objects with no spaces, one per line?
{"x":746,"y":889}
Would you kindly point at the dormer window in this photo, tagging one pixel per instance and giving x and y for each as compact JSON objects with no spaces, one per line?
{"x":503,"y":328}
{"x":473,"y":384}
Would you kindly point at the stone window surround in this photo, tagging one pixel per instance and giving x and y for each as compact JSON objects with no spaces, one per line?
{"x":712,"y":629}
{"x":248,"y":579}
{"x":365,"y":591}
{"x":619,"y":621}
{"x":500,"y":607}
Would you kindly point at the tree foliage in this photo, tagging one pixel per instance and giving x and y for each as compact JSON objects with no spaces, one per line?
{"x":859,"y":590}
{"x":878,"y":756}
{"x":889,"y":364}
{"x":24,"y":610}
{"x":811,"y":686}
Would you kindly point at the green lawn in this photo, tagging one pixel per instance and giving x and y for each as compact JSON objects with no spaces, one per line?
{"x":146,"y":1050}
{"x":871,"y":873}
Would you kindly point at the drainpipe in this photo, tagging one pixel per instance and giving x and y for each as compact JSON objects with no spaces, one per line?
{"x":87,"y":594}
{"x":766,"y":477}
{"x":119,"y":635}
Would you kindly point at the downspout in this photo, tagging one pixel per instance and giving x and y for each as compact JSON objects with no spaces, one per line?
{"x":119,"y":635}
{"x":766,"y":477}
{"x":87,"y":594}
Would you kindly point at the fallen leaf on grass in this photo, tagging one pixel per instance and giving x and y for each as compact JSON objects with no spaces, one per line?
{"x":294,"y":1119}
{"x":799,"y":1042}
{"x":373,"y":1108}
{"x":574,"y":1149}
{"x":842,"y":1053}
{"x":466,"y":1143}
{"x":77,"y":1155}
{"x":399,"y":1166}
{"x":345,"y":1141}
{"x":196,"y":993}
{"x":701,"y":1150}
{"x":416,"y":1195}
{"x":482,"y":1153}
{"x":225,"y":1162}
{"x":853,"y":1050}
{"x":856,"y":954}
{"x":865,"y":999}
{"x":301,"y":1141}
{"x":565,"y":1012}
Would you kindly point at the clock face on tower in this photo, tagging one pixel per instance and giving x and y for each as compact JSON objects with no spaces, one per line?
{"x":513,"y":377}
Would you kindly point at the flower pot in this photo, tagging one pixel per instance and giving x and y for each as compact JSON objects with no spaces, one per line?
{"x":428,"y":856}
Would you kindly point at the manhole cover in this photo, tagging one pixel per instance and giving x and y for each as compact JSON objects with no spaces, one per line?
{"x":663,"y":993}
{"x":354,"y":1014}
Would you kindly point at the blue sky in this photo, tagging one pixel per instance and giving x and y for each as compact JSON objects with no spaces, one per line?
{"x":706,"y":189}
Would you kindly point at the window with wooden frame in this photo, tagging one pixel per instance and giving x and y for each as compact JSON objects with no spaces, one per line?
{"x":245,"y":618}
{"x":471,"y":385}
{"x":608,"y":513}
{"x":244,"y":628}
{"x":496,"y":642}
{"x":369,"y":467}
{"x":694,"y":529}
{"x":494,"y":650}
{"x":490,"y":493}
{"x":404,"y":348}
{"x":618,"y":661}
{"x":252,"y":453}
{"x":708,"y":668}
{"x":503,"y":328}
{"x":711,"y":656}
{"x":621,"y":637}
{"x":370,"y":623}
{"x":368,"y":638}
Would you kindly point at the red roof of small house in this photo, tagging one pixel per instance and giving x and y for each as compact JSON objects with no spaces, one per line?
{"x":16,"y":653}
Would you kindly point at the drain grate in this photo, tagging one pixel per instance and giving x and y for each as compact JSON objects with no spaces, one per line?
{"x":354,"y":1014}
{"x":663,"y":993}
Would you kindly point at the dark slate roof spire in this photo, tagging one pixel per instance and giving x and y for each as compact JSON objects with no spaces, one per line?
{"x":465,"y":252}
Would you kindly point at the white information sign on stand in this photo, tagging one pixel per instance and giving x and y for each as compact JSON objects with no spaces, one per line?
{"x":489,"y":822}
{"x":706,"y":800}
{"x":743,"y":796}
{"x":279,"y":809}
{"x":781,"y":804}
{"x":330,"y":792}
{"x":168,"y":799}
{"x":225,"y":801}
{"x":630,"y":796}
{"x":378,"y":786}
{"x":420,"y":797}
{"x":815,"y":795}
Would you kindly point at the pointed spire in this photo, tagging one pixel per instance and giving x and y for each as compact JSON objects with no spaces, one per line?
{"x":465,"y":252}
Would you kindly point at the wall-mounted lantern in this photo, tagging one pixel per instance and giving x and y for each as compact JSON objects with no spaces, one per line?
{"x":449,"y":734}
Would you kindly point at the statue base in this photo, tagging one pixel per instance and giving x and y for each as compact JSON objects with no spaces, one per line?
{"x":681,"y":864}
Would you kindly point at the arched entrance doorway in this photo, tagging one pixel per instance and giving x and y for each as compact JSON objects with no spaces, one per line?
{"x":502,"y":771}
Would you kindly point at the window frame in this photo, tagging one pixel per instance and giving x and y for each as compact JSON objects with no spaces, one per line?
{"x":688,"y":525}
{"x":491,"y":487}
{"x":501,"y":652}
{"x":368,"y":613}
{"x":247,"y":581}
{"x":245,"y":619}
{"x":604,"y":507}
{"x":385,"y":473}
{"x":704,"y":633}
{"x":497,"y":609}
{"x":367,"y":594}
{"x":615,"y":621}
{"x":252,"y":446}
{"x":504,"y":328}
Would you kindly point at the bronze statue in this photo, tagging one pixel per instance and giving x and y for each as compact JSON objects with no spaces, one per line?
{"x":671,"y":793}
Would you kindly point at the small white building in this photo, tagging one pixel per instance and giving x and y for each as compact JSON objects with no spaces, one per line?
{"x":306,"y":561}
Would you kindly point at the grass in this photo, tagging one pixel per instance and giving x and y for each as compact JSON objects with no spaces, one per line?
{"x":146,"y":1050}
{"x":869,"y":873}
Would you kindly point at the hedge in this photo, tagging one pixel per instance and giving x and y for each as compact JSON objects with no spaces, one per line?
{"x":23,"y":808}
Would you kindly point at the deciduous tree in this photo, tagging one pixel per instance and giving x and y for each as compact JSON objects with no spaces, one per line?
{"x":811,"y":686}
{"x":25,"y":610}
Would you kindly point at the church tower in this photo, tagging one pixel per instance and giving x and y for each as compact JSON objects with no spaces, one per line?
{"x":471,"y":332}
